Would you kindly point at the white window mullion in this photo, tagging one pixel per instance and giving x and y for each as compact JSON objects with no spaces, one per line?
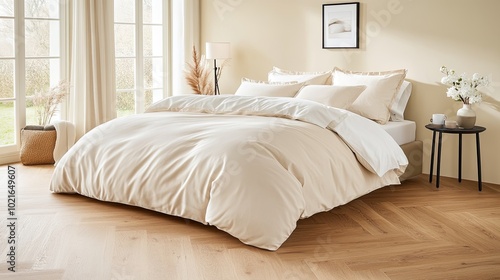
{"x":167,"y":68}
{"x":64,"y":7}
{"x":139,"y":69}
{"x":20,"y":71}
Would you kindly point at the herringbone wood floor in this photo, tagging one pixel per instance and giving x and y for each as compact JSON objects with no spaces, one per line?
{"x":412,"y":231}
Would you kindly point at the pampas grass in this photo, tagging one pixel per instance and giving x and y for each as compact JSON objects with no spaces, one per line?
{"x":198,"y":75}
{"x":45,"y":103}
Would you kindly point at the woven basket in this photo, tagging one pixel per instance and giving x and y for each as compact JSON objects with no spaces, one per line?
{"x":37,"y":146}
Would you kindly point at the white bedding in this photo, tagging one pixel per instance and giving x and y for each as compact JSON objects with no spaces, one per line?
{"x":402,"y":132}
{"x":249,"y":166}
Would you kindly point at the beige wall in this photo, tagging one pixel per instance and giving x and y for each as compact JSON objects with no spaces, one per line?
{"x":420,"y":35}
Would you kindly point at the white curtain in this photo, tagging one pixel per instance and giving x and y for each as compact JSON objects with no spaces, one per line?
{"x":92,"y":99}
{"x":92,"y":64}
{"x":185,"y":34}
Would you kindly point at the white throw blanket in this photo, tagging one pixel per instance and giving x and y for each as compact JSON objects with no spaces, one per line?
{"x":65,"y":138}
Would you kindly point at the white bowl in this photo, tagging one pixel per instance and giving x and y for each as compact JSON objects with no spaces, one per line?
{"x":450,"y":124}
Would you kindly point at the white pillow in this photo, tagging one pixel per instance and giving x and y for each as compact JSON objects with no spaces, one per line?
{"x":308,"y":78}
{"x":334,"y":96}
{"x":400,"y":101}
{"x":376,"y":100}
{"x":258,"y":88}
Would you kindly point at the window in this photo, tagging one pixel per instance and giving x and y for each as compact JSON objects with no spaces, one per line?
{"x":7,"y":62}
{"x":140,"y":54}
{"x":31,"y":46}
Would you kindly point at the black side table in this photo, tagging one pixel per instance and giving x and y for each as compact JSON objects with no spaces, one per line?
{"x":441,"y":129}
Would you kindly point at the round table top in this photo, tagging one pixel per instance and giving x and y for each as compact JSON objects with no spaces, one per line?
{"x":442,"y":128}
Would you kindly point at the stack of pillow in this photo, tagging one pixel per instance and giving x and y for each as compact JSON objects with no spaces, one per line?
{"x":379,"y":96}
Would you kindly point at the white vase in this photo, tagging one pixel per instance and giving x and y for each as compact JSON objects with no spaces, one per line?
{"x":466,"y":117}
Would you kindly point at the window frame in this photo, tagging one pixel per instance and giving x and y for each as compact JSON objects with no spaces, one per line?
{"x":10,"y":152}
{"x":139,"y":89}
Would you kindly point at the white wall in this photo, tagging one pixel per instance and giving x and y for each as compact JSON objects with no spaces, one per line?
{"x":420,"y":35}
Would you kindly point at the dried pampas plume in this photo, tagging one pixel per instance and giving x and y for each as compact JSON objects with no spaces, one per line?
{"x":45,"y":103}
{"x":198,"y":75}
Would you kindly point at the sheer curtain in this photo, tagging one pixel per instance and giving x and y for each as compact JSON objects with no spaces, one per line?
{"x":92,"y":64}
{"x":185,"y":33}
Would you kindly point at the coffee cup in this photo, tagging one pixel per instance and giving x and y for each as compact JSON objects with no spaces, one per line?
{"x":438,"y":119}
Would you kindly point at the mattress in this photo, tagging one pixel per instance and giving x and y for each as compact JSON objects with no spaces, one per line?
{"x":402,"y":131}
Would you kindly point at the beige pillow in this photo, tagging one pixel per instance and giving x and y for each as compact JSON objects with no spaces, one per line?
{"x":308,"y":78}
{"x":258,"y":88}
{"x":334,"y":96}
{"x":376,"y":100}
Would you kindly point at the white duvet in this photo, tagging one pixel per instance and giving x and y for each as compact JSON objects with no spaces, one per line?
{"x":251,"y":166}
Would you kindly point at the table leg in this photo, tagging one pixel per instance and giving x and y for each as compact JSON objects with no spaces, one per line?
{"x":432,"y":156}
{"x":460,"y":157}
{"x":438,"y":171}
{"x":479,"y":183}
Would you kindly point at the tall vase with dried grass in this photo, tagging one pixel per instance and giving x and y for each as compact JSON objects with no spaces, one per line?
{"x":45,"y":103}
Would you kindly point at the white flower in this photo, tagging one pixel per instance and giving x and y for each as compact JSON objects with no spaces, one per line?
{"x":462,"y":88}
{"x":447,"y":80}
{"x":453,"y":93}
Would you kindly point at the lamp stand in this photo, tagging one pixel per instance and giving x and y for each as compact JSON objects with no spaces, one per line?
{"x":216,"y":82}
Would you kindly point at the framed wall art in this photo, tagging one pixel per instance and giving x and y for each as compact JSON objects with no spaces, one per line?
{"x":341,"y":26}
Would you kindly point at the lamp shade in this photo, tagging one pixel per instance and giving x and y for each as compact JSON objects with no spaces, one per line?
{"x":217,"y":50}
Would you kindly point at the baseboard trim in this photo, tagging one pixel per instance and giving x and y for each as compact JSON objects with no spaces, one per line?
{"x":12,"y":157}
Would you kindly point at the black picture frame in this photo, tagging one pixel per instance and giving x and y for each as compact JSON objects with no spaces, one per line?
{"x":341,"y":25}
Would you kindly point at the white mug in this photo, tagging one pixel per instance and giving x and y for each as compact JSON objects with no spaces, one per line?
{"x":438,"y":119}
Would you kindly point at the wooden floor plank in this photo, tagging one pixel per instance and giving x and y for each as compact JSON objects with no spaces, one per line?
{"x":339,"y":270}
{"x":467,"y":267}
{"x":403,"y":221}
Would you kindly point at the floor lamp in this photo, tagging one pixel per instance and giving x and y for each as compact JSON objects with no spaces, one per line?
{"x":217,"y":50}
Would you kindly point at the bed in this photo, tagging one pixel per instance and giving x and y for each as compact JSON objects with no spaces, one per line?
{"x":404,"y":133}
{"x":251,"y":164}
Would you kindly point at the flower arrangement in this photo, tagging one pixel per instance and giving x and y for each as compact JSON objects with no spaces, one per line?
{"x":45,"y":103}
{"x":463,"y":88}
